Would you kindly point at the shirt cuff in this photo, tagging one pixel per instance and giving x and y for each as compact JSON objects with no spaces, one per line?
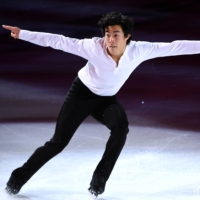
{"x":21,"y":33}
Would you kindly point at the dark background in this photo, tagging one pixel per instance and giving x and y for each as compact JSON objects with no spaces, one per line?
{"x":163,"y":92}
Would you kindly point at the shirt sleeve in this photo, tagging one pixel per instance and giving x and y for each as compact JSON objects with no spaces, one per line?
{"x":149,"y":50}
{"x":80,"y":47}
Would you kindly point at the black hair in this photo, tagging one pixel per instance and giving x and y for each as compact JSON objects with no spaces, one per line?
{"x":115,"y":18}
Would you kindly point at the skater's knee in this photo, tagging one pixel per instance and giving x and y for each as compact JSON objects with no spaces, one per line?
{"x":123,"y":125}
{"x":120,"y":124}
{"x":115,"y":117}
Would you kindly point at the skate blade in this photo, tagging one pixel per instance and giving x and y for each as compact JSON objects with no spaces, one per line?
{"x":10,"y":191}
{"x":92,"y":194}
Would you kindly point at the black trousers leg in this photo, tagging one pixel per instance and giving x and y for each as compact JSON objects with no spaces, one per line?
{"x":114,"y":117}
{"x":79,"y":103}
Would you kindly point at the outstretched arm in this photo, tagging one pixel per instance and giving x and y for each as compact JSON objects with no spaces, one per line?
{"x":82,"y":47}
{"x":180,"y":47}
{"x":14,"y":31}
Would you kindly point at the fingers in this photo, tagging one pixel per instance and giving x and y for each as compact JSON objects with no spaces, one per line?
{"x":8,"y":27}
{"x":14,"y":31}
{"x":13,"y":35}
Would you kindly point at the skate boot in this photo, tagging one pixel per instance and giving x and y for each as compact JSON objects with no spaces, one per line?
{"x":97,"y":185}
{"x":14,"y":185}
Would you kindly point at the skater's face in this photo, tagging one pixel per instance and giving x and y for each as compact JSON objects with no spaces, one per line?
{"x":115,"y":40}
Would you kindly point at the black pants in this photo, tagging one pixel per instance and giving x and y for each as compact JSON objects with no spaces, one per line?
{"x":79,"y":104}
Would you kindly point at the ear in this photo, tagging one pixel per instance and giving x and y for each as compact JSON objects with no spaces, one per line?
{"x":128,"y":36}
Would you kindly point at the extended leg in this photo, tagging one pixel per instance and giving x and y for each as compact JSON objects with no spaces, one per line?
{"x":75,"y":109}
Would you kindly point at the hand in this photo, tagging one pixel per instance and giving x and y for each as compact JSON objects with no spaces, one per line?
{"x":14,"y":31}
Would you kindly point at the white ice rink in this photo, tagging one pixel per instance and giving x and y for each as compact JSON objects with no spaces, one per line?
{"x":155,"y":164}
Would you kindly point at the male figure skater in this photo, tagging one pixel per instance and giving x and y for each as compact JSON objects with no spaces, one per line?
{"x":111,"y":60}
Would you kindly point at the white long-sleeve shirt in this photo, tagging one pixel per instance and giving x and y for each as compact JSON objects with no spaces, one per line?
{"x":101,"y":74}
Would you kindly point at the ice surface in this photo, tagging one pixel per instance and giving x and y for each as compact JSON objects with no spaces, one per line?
{"x":155,"y":164}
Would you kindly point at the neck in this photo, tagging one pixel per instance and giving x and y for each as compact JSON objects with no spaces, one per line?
{"x":116,"y":57}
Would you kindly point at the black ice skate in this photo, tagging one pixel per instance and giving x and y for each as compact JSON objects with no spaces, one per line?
{"x":14,"y":185}
{"x":97,"y":185}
